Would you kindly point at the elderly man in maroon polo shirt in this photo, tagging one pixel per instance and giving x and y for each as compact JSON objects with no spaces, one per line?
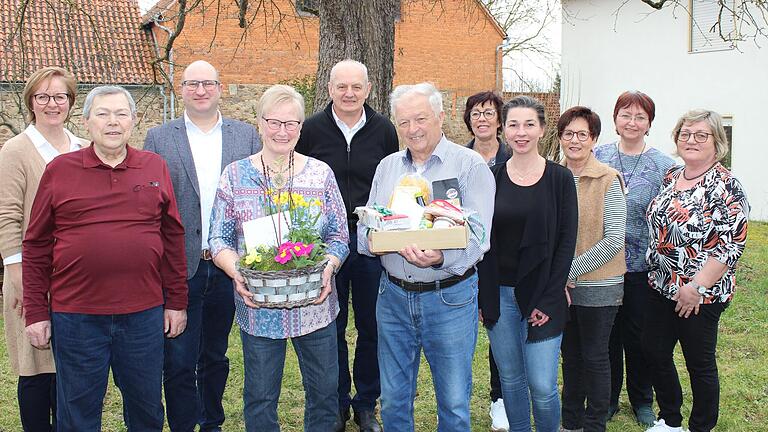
{"x":104,"y":270}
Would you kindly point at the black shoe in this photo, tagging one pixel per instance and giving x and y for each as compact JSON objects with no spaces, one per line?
{"x":367,"y":422}
{"x":341,"y":421}
{"x":644,"y":415}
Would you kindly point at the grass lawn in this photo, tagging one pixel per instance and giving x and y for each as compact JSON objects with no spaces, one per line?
{"x":742,"y":360}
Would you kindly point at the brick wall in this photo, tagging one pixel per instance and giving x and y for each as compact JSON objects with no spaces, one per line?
{"x":451,"y":43}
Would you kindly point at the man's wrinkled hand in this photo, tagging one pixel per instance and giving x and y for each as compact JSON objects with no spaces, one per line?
{"x":174,"y":322}
{"x":39,"y":334}
{"x":422,"y":258}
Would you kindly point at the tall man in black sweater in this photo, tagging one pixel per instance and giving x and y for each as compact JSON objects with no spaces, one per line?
{"x":352,"y":138}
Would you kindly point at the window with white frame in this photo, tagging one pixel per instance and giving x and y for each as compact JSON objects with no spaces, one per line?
{"x":712,"y":25}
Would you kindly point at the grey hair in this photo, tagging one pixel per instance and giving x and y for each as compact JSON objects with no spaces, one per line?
{"x":106,"y":91}
{"x":279,"y":94}
{"x":423,"y":89}
{"x":349,"y":62}
{"x":715,"y":123}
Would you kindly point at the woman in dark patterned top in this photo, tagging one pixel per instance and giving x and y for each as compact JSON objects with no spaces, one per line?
{"x":698,"y":228}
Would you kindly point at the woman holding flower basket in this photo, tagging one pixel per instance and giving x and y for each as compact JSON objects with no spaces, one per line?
{"x":279,"y":229}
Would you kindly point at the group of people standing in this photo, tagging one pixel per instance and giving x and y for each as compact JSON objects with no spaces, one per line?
{"x":129,"y":259}
{"x":613,"y":253}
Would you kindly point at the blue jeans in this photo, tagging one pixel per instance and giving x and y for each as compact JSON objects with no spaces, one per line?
{"x":196,"y":366}
{"x":528,"y":371}
{"x":444,"y":324}
{"x":363,"y":272}
{"x":263,"y":361}
{"x":86,"y":346}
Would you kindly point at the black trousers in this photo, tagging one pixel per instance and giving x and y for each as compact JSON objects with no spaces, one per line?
{"x":697,"y":335}
{"x":37,"y":402}
{"x":586,"y":371}
{"x":495,"y":381}
{"x":359,"y":275}
{"x":625,"y":344}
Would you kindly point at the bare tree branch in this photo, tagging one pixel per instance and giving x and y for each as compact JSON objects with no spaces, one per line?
{"x":655,"y":4}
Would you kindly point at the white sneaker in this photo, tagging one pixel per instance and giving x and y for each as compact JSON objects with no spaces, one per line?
{"x":661,"y":426}
{"x":499,"y":422}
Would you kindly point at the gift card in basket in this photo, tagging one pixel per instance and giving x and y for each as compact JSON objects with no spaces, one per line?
{"x":269,"y":230}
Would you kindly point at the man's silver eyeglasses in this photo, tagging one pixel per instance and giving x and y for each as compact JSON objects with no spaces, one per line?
{"x":488,"y":114}
{"x":58,"y":98}
{"x":194,"y":84}
{"x":580,"y":135}
{"x":274,"y":124}
{"x":699,"y":137}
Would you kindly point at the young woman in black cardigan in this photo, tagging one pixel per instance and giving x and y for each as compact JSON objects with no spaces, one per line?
{"x":523,"y":276}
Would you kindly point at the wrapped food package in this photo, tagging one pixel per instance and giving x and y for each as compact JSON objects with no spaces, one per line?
{"x":444,"y":209}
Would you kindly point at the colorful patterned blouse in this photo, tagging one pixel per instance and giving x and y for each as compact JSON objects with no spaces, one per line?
{"x":687,"y":227}
{"x":239,"y":199}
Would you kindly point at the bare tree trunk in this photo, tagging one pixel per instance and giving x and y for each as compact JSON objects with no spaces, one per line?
{"x":363,"y":31}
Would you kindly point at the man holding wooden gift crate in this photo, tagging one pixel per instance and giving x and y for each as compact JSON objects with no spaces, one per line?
{"x":428,"y":298}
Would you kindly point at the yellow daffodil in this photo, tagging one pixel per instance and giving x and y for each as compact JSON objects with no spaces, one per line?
{"x":252,"y":257}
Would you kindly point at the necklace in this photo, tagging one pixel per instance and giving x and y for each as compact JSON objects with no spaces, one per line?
{"x":621,"y":164}
{"x":278,"y":175}
{"x":279,"y":186}
{"x":521,"y":176}
{"x":697,"y":176}
{"x":276,"y":207}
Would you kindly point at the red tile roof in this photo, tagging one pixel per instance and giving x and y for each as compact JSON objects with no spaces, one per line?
{"x":101,"y":41}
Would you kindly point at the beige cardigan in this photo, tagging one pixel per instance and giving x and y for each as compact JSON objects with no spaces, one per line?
{"x":21,"y":167}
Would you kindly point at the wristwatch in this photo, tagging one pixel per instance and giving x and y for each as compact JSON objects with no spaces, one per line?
{"x":702,"y":290}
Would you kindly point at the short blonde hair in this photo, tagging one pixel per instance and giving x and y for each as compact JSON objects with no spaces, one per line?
{"x":40,"y":76}
{"x":715,"y":123}
{"x":279,"y":94}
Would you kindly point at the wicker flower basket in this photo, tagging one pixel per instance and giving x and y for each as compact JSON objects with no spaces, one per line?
{"x":284,"y":289}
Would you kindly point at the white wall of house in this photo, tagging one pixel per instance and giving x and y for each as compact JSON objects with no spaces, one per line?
{"x":605,"y":52}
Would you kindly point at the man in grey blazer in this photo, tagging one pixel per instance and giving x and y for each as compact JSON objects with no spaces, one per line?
{"x":196,"y":148}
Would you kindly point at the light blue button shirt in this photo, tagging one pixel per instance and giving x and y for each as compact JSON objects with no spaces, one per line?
{"x":477,"y":187}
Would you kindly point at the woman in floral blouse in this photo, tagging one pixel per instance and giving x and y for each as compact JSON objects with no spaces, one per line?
{"x":264,"y":331}
{"x":698,"y":228}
